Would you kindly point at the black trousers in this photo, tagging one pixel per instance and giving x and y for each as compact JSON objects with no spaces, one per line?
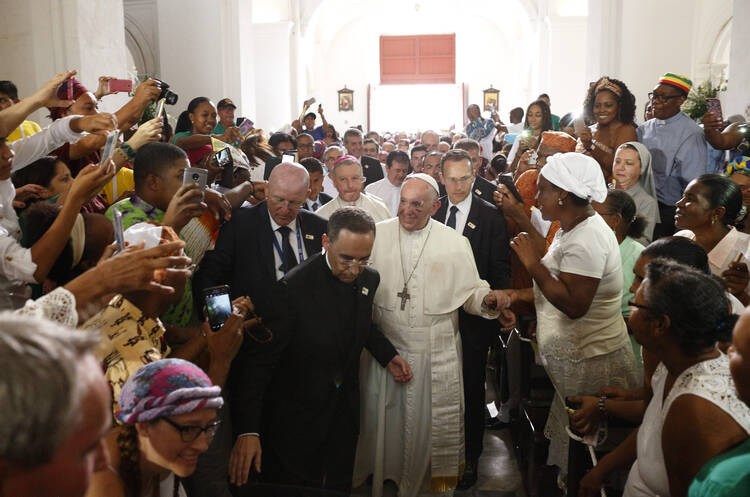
{"x":666,"y":226}
{"x":329,"y":473}
{"x":476,"y":345}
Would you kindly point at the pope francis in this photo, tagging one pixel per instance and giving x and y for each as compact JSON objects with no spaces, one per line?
{"x":413,"y":433}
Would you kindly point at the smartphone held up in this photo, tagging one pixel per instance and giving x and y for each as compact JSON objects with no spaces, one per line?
{"x":218,"y":306}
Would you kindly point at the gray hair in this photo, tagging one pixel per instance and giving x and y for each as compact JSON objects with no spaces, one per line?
{"x":351,"y":132}
{"x":41,"y":386}
{"x":331,"y":148}
{"x":346,"y":162}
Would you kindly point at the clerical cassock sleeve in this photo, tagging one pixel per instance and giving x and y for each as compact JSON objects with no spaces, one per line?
{"x":256,"y":365}
{"x":377,"y":344}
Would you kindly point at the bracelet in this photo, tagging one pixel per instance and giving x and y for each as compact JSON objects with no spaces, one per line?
{"x":128,"y":150}
{"x":602,"y":407}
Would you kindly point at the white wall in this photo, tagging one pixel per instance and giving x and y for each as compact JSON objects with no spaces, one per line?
{"x":41,"y":38}
{"x":738,"y":88}
{"x":488,"y":52}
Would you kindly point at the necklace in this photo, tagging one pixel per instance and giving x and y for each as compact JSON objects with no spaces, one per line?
{"x":404,"y":294}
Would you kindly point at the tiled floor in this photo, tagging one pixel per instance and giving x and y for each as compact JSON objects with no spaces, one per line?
{"x":498,"y":472}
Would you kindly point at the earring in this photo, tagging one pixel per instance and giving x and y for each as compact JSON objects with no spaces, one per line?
{"x":559,"y":201}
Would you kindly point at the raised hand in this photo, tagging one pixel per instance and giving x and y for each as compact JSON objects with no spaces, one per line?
{"x":184,"y":206}
{"x":148,"y":132}
{"x":526,"y":250}
{"x":46,"y":96}
{"x":94,"y":123}
{"x":90,"y":180}
{"x":505,"y":201}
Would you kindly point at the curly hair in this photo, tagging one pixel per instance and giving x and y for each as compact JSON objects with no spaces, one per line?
{"x":625,"y":102}
{"x":129,"y":470}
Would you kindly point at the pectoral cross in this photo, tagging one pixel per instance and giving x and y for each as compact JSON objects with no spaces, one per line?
{"x":404,"y":296}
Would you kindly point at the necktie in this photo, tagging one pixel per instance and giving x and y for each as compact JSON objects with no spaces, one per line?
{"x":314,"y":207}
{"x":289,"y":260}
{"x":451,"y":223}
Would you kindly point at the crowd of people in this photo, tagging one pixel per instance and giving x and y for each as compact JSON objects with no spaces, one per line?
{"x":184,"y":309}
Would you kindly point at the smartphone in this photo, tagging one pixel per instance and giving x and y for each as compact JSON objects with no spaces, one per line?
{"x":195,"y":175}
{"x":245,"y":127}
{"x":218,"y":306}
{"x":224,"y":158}
{"x":119,"y":233}
{"x":70,"y":89}
{"x":579,"y":125}
{"x":120,"y":85}
{"x":290,"y":156}
{"x":714,"y":105}
{"x":160,"y":107}
{"x":507,"y":180}
{"x":109,"y":146}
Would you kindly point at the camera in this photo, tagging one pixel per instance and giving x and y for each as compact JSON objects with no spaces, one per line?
{"x":168,"y":95}
{"x":744,"y":146}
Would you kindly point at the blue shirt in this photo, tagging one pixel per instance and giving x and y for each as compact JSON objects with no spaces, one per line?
{"x":479,"y":128}
{"x":678,"y":154}
{"x":316,"y":133}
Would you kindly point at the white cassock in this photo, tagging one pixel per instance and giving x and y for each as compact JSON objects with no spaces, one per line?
{"x":413,"y":430}
{"x":372,"y":205}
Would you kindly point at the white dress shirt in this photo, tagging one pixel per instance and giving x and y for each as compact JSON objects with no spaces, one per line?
{"x":386,"y":191}
{"x":292,"y":241}
{"x":31,"y":148}
{"x":462,"y":214}
{"x":16,"y":264}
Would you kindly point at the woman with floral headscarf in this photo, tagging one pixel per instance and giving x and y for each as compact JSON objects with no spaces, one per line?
{"x":612,"y":106}
{"x":170,"y":411}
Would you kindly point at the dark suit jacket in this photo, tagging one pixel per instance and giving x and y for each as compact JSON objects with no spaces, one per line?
{"x":371,"y":168}
{"x":323,"y":199}
{"x":243,"y":256}
{"x":311,"y":368}
{"x":490,"y":245}
{"x":484,"y":189}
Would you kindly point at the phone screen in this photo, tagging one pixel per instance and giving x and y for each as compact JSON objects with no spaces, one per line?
{"x":224,"y":157}
{"x":119,"y":234}
{"x":714,"y":104}
{"x":218,"y":306}
{"x":290,"y":156}
{"x":109,"y":146}
{"x":160,"y":107}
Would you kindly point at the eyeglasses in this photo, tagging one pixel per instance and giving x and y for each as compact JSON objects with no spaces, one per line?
{"x":348,"y":262}
{"x":661,"y":98}
{"x":190,"y":433}
{"x":291,"y":204}
{"x":455,"y":181}
{"x":305,"y":146}
{"x":633,"y":303}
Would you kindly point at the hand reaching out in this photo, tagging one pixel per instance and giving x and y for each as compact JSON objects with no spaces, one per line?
{"x":505,"y":201}
{"x":46,"y":96}
{"x":27,"y":192}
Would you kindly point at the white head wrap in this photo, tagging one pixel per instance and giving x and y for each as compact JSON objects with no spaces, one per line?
{"x":427,"y":179}
{"x":578,"y":174}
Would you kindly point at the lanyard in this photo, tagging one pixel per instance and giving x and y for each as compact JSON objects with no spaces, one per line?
{"x":281,"y":253}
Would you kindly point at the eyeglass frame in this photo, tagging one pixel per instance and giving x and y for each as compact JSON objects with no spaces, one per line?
{"x":183,"y":430}
{"x":662,"y":98}
{"x":362,"y":263}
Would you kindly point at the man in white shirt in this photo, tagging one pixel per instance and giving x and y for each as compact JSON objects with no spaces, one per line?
{"x":347,"y":178}
{"x":330,"y":156}
{"x":388,"y":189}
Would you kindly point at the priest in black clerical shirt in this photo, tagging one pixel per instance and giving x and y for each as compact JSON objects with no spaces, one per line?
{"x":320,"y":320}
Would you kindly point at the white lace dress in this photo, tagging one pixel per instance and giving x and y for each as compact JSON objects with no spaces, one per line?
{"x":584,"y":354}
{"x":710,"y":380}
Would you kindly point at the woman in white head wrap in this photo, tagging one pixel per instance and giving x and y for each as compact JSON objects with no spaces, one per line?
{"x":583,"y":341}
{"x":632,"y":173}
